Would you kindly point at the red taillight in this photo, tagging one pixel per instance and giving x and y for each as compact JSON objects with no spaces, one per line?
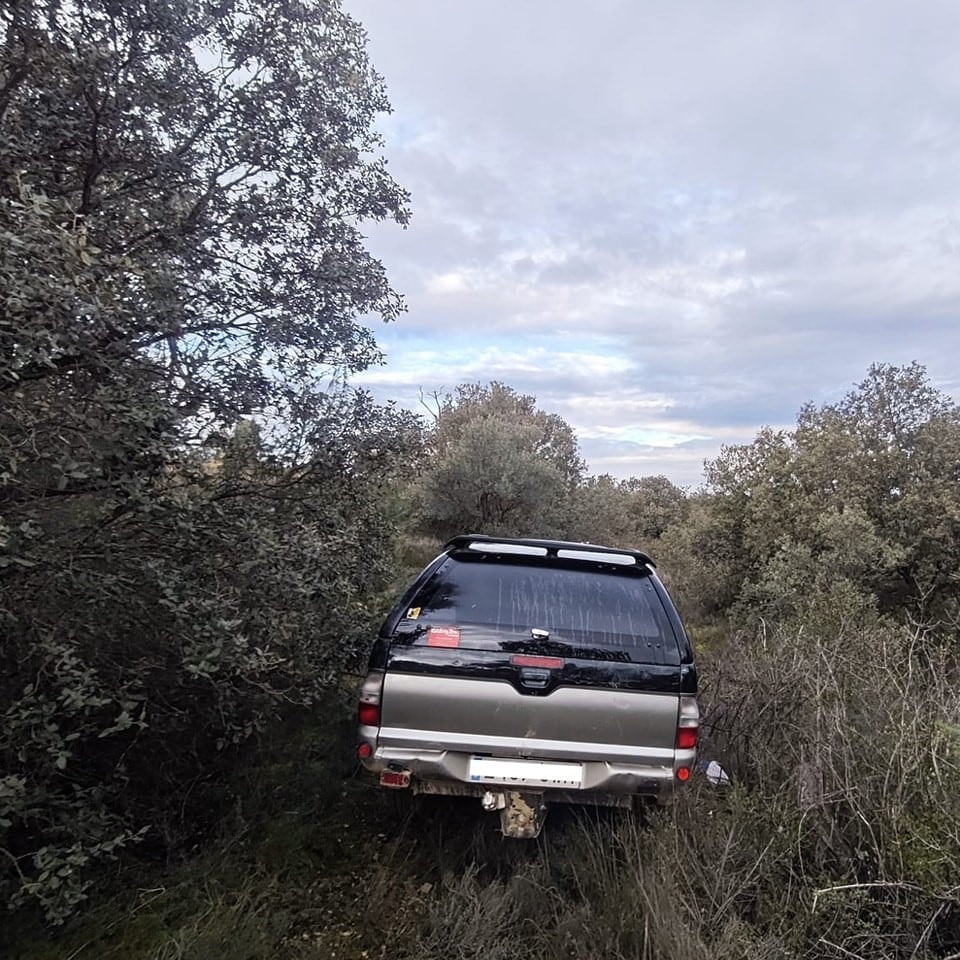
{"x":687,"y":738}
{"x":683,"y":774}
{"x":369,"y":714}
{"x":364,"y":750}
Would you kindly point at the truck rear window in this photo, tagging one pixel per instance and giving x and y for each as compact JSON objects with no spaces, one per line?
{"x":579,"y":605}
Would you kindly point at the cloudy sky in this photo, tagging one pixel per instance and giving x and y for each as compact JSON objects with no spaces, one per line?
{"x":673,"y":223}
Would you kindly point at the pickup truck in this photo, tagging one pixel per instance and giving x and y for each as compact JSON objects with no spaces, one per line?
{"x":528,"y":672}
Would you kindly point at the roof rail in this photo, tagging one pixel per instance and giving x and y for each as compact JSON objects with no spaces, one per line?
{"x":464,"y":542}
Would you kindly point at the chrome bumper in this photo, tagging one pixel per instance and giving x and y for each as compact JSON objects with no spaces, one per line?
{"x":600,"y":777}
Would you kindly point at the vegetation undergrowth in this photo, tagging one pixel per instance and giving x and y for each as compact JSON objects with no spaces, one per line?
{"x":839,"y":836}
{"x":289,"y":874}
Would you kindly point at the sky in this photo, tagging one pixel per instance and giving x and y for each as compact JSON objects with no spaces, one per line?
{"x":672,"y":223}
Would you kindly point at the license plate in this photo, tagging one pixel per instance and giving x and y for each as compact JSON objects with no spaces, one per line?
{"x":525,"y":773}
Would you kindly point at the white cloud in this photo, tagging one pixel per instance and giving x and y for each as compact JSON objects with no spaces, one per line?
{"x":674,"y":223}
{"x":454,"y":281}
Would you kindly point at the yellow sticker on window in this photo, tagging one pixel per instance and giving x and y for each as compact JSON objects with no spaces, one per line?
{"x":413,"y":613}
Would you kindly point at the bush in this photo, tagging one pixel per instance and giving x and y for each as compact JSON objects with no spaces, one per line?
{"x":839,"y":836}
{"x":147,"y":645}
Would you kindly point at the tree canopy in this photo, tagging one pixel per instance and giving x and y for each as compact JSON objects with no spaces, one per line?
{"x":862,"y":496}
{"x":498,"y":464}
{"x":182,"y":189}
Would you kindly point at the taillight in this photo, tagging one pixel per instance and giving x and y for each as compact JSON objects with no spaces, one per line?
{"x":683,"y":774}
{"x":687,"y":737}
{"x":368,"y":711}
{"x":368,"y":714}
{"x":688,"y":724}
{"x":364,"y":751}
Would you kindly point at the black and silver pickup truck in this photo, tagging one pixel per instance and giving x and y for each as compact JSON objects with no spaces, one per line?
{"x":526,"y":672}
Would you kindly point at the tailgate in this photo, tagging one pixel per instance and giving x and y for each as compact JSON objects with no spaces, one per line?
{"x":591,"y":711}
{"x":521,"y":656}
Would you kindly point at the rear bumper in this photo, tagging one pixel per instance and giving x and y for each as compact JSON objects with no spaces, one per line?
{"x":431,"y":768}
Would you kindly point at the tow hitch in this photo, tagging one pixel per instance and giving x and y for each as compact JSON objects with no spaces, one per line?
{"x":521,"y":814}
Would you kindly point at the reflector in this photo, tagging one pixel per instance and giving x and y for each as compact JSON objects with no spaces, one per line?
{"x":398,"y":779}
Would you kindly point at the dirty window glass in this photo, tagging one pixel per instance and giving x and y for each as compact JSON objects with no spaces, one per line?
{"x":577,"y":605}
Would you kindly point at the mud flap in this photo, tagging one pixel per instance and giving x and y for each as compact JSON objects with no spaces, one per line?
{"x":523,"y":816}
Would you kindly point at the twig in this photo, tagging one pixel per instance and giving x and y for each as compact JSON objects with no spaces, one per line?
{"x":947,"y":897}
{"x":925,"y":936}
{"x":844,"y":950}
{"x":862,"y":886}
{"x":14,"y":860}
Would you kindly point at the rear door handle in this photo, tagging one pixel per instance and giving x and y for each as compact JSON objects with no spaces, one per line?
{"x":534,"y":678}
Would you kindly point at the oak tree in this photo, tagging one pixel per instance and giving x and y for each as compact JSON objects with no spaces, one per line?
{"x":182,"y":190}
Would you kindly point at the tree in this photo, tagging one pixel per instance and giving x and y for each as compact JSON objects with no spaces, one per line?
{"x":862,"y":494}
{"x":656,"y":505}
{"x":632,"y":513}
{"x":181,"y":191}
{"x":499,"y":464}
{"x":600,"y":513}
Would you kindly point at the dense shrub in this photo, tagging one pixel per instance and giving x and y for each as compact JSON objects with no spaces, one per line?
{"x":144,"y":650}
{"x":839,"y":836}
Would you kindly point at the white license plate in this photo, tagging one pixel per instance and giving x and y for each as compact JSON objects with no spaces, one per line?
{"x":525,"y":773}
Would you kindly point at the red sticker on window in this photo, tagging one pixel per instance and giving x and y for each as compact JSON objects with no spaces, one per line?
{"x":443,"y":637}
